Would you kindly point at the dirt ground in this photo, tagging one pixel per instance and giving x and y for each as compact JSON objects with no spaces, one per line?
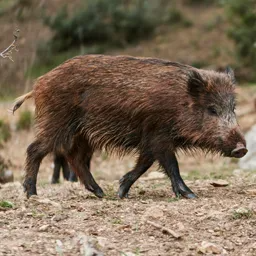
{"x":64,"y":219}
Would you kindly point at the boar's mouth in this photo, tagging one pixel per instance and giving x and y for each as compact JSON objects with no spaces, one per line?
{"x":238,"y":152}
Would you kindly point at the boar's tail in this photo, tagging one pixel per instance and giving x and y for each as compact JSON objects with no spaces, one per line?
{"x":19,"y":101}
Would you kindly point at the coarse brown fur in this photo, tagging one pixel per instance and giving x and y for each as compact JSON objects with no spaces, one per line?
{"x":127,"y":104}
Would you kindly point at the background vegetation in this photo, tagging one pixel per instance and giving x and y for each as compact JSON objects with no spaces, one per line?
{"x":200,"y":33}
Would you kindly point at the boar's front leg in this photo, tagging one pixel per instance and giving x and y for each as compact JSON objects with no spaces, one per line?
{"x":170,"y":165}
{"x":144,"y":162}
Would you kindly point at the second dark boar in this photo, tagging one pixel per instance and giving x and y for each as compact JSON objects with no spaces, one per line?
{"x":148,"y":106}
{"x":59,"y":163}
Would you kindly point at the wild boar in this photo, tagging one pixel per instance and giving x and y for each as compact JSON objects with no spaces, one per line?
{"x":146,"y":106}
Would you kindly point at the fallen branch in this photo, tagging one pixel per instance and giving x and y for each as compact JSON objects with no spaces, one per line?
{"x":7,"y":53}
{"x":163,"y":229}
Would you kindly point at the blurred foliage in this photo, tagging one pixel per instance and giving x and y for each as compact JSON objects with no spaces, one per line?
{"x":5,"y":132}
{"x":242,"y":17}
{"x":113,"y":22}
{"x":201,"y":2}
{"x":21,"y":9}
{"x":25,"y":120}
{"x":100,"y":25}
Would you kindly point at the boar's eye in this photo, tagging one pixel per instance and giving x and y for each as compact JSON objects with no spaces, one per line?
{"x":212,"y":111}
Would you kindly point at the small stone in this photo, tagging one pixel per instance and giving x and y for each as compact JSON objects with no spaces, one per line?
{"x":45,"y":201}
{"x":69,"y":231}
{"x":44,"y":228}
{"x":58,"y":217}
{"x":180,"y":226}
{"x":242,"y":210}
{"x":154,"y":213}
{"x":251,"y":192}
{"x":207,"y":247}
{"x":219,"y":183}
{"x":129,"y":254}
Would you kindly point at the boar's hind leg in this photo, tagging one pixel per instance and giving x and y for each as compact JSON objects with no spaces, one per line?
{"x":35,"y":154}
{"x":170,"y":165}
{"x":72,"y":176}
{"x":143,"y":163}
{"x":65,"y":168}
{"x":56,"y":170}
{"x":78,"y":159}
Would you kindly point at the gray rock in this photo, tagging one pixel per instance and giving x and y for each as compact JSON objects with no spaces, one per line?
{"x":248,"y":162}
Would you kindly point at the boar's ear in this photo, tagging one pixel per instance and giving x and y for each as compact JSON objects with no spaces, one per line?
{"x":196,"y":84}
{"x":230,"y":72}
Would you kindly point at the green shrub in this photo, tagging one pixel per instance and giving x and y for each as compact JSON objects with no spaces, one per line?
{"x":175,"y":16}
{"x":112,"y":22}
{"x":99,"y":25}
{"x":242,"y":16}
{"x":5,"y":132}
{"x":25,"y":120}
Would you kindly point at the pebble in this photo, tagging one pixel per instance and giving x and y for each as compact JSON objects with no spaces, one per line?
{"x":207,"y":247}
{"x":44,"y":228}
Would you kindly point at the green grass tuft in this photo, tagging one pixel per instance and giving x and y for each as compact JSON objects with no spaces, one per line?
{"x":25,"y":120}
{"x":5,"y":132}
{"x":6,"y":204}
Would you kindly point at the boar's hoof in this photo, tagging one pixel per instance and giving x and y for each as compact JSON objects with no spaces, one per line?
{"x":189,"y":196}
{"x":184,"y":192}
{"x":122,"y":192}
{"x":125,"y":184}
{"x":54,"y":181}
{"x":29,"y":188}
{"x":72,"y":178}
{"x":98,"y":192}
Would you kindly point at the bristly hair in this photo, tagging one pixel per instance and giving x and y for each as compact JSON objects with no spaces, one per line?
{"x":230,"y":72}
{"x":196,"y":84}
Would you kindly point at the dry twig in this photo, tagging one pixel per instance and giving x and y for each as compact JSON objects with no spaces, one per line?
{"x":7,"y":53}
{"x":164,"y":230}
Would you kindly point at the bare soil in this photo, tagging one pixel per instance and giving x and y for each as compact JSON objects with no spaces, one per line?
{"x":65,"y":219}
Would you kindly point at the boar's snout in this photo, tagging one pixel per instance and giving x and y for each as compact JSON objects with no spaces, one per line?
{"x":234,"y":145}
{"x":239,"y":151}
